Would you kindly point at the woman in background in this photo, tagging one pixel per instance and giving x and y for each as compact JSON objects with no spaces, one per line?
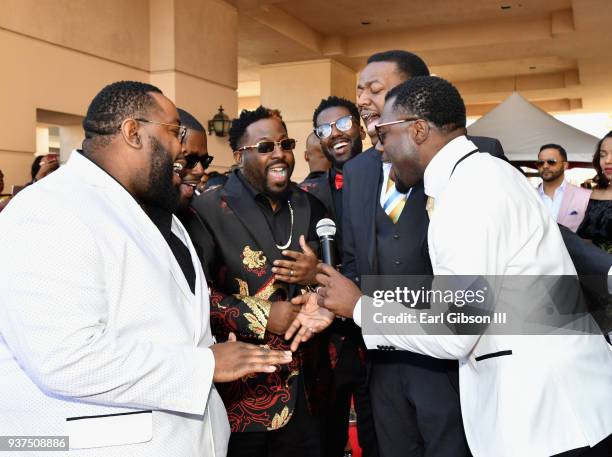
{"x":597,"y":223}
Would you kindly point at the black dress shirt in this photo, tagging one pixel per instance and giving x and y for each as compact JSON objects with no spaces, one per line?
{"x":163,"y":221}
{"x":279,"y":219}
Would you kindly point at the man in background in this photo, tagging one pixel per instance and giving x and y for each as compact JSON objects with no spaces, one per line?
{"x":336,"y":124}
{"x":318,"y":163}
{"x":567,"y":203}
{"x":194,"y":157}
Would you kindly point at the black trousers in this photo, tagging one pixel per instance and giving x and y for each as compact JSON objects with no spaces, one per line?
{"x":349,"y":380}
{"x":301,"y":437}
{"x":415,"y":400}
{"x":601,"y":449}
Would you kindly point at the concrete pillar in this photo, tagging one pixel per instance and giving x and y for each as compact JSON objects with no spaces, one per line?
{"x":42,"y":140}
{"x":194,"y":61}
{"x":296,"y":89}
{"x":71,"y":137}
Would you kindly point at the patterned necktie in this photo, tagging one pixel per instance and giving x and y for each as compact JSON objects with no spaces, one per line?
{"x":394,"y":201}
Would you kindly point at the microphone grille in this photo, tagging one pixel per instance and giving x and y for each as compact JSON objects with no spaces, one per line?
{"x":326,"y":227}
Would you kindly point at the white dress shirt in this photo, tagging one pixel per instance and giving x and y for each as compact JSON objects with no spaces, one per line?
{"x":520,"y":395}
{"x":553,"y":204}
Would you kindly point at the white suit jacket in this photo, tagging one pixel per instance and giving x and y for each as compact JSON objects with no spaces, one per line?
{"x":101,"y":338}
{"x":521,"y":396}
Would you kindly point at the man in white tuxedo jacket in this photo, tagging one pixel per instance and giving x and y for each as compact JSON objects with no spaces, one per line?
{"x":104,"y":330}
{"x":521,"y":395}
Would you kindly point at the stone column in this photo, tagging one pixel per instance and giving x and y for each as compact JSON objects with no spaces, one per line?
{"x":296,"y":89}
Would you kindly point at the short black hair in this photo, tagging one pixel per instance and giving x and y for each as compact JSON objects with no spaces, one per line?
{"x":431,"y":98}
{"x":246,"y":118}
{"x":559,"y":148}
{"x":408,"y":64}
{"x":600,"y":178}
{"x":35,"y":166}
{"x":332,"y":102}
{"x":115,"y":103}
{"x":189,"y":121}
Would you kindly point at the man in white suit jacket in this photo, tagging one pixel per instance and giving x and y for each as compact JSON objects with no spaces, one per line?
{"x":521,"y":395}
{"x":102,"y":337}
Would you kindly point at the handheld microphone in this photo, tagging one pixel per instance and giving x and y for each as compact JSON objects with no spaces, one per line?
{"x":326,"y":229}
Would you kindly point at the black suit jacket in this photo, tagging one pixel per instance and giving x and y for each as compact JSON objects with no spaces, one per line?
{"x":490,"y":145}
{"x":592,"y":265}
{"x":320,"y":187}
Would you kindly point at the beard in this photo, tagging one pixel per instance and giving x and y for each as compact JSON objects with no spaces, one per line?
{"x":406,"y":167}
{"x":161,"y":192}
{"x":356,"y":148}
{"x":259,"y":179}
{"x":553,"y":175}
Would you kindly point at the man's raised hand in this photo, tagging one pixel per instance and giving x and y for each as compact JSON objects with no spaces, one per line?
{"x":235,"y":359}
{"x":310,"y":320}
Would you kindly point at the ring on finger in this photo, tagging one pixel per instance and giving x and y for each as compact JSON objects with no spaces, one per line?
{"x":290,"y":272}
{"x":318,"y":290}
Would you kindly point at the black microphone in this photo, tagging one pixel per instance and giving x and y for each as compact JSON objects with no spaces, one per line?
{"x":326,"y":229}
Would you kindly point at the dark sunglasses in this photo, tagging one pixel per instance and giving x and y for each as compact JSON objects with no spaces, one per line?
{"x":264,"y":147}
{"x":551,"y":162}
{"x":343,"y":124}
{"x":191,"y":161}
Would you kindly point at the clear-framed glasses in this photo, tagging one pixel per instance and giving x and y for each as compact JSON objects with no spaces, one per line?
{"x":343,"y":124}
{"x":381,"y":133}
{"x":180,"y":134}
{"x":264,"y":147}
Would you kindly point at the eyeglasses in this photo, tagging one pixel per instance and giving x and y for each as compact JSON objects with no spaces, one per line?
{"x":191,"y":161}
{"x":343,"y":124}
{"x":264,"y":147}
{"x":551,"y":162}
{"x":180,"y":134}
{"x":381,"y":134}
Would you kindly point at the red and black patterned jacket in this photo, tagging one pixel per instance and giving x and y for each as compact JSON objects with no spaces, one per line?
{"x":237,"y":248}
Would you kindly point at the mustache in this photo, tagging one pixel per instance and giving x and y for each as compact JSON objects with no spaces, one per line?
{"x":277,"y":162}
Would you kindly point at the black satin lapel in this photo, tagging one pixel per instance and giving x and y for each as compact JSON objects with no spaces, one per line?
{"x":301,"y":218}
{"x":371,"y":185}
{"x":251,"y":217}
{"x":329,"y":198}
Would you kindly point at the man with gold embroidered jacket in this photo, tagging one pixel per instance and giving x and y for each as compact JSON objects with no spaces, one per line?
{"x":253,"y":237}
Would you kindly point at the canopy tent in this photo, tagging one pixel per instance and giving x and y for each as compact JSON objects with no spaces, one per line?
{"x":522,"y":128}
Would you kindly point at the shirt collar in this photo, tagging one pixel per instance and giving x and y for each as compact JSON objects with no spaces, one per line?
{"x":441,"y":166}
{"x":559,"y":189}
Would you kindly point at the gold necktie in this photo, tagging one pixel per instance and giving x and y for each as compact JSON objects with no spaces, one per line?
{"x":394,"y":201}
{"x":429,"y":206}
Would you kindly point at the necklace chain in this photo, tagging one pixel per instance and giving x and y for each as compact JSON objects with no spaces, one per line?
{"x":286,"y":245}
